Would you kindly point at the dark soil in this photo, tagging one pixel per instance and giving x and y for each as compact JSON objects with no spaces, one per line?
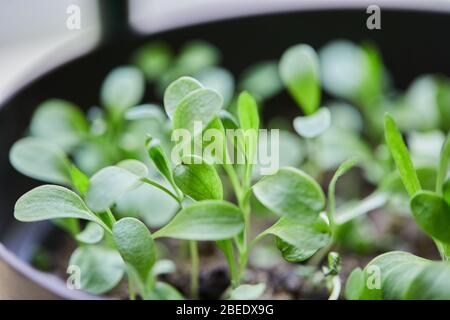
{"x":283,"y":280}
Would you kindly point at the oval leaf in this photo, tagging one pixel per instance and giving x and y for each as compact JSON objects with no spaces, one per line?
{"x":176,"y":91}
{"x":52,"y":202}
{"x":60,"y":122}
{"x":107,"y":185}
{"x":432,"y":214}
{"x":313,"y":125}
{"x":200,"y":106}
{"x":123,"y":88}
{"x":100,"y":269}
{"x":298,"y":242}
{"x":92,"y":233}
{"x":248,"y":291}
{"x":136,"y":245}
{"x":40,"y":160}
{"x":206,"y":220}
{"x":292,"y":193}
{"x":299,"y":71}
{"x":399,"y":275}
{"x":200,"y":181}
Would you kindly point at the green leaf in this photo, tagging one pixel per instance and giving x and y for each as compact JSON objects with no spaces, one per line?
{"x":355,"y":285}
{"x":200,"y":106}
{"x":164,"y":291}
{"x":101,"y":269}
{"x":123,"y":88}
{"x":92,"y":233}
{"x":136,"y":246}
{"x":145,"y":111}
{"x":249,"y":121}
{"x":152,"y":205}
{"x":298,"y":242}
{"x":343,"y":168}
{"x":59,"y":122}
{"x":218,"y":79}
{"x":399,"y":275}
{"x":401,"y":156}
{"x":248,"y":291}
{"x":108,"y":185}
{"x":200,"y":180}
{"x":313,"y":125}
{"x":153,"y":59}
{"x":197,"y":55}
{"x":431,"y":283}
{"x":205,"y":220}
{"x":299,"y":71}
{"x":160,"y":160}
{"x":261,"y":80}
{"x":446,"y":191}
{"x":163,"y":266}
{"x":80,"y":181}
{"x":134,"y":166}
{"x":292,"y":193}
{"x":176,"y":91}
{"x":432,"y":214}
{"x":52,"y":202}
{"x":40,"y":160}
{"x":350,"y":71}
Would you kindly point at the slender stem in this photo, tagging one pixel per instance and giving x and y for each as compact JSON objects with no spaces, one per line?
{"x":336,"y":291}
{"x":131,"y":291}
{"x":229,"y":255}
{"x":375,"y":200}
{"x":110,"y":217}
{"x":157,"y":185}
{"x":193,"y":248}
{"x":234,"y":180}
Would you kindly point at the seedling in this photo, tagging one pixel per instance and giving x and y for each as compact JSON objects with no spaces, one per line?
{"x":400,"y":275}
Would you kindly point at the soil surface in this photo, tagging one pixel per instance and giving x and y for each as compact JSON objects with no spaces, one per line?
{"x":283,"y":280}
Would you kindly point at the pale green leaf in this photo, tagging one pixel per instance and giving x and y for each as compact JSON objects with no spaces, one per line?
{"x":92,"y":233}
{"x":298,"y":241}
{"x":52,"y":202}
{"x":299,"y":71}
{"x":136,"y":245}
{"x":248,"y":291}
{"x":59,"y":122}
{"x":176,"y":91}
{"x":292,"y":193}
{"x":123,"y":88}
{"x":218,"y":79}
{"x":313,"y":125}
{"x":100,"y":269}
{"x":205,"y":220}
{"x":39,"y":159}
{"x":198,"y":107}
{"x":107,"y":185}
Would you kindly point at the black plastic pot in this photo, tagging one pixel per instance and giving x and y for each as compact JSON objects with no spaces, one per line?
{"x":412,"y":43}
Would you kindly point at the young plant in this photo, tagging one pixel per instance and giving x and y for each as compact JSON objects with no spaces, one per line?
{"x":400,"y":275}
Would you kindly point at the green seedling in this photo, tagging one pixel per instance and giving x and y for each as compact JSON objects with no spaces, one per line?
{"x":400,"y":275}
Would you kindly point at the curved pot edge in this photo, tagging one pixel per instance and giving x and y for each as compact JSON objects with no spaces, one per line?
{"x":48,"y":281}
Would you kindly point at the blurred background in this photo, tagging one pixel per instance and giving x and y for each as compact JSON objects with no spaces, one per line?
{"x":33,"y":32}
